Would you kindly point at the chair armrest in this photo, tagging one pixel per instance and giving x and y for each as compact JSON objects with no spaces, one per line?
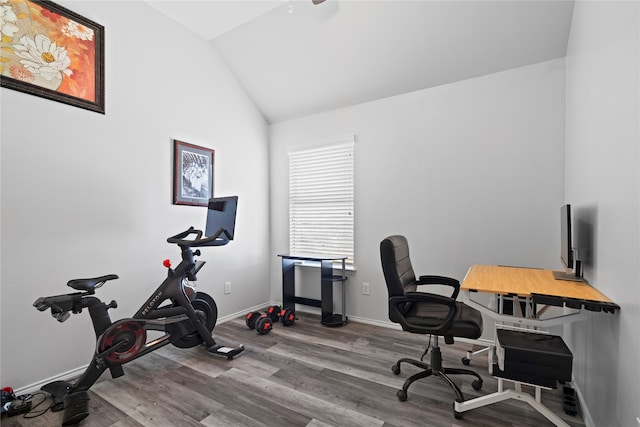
{"x":397,"y":314}
{"x":441,"y":280}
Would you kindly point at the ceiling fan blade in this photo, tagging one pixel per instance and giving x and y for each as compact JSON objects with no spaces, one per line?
{"x":317,"y":1}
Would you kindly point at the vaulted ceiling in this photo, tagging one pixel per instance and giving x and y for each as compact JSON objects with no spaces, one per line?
{"x":296,"y":58}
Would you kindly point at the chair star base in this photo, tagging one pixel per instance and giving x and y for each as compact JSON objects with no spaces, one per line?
{"x":435,"y":368}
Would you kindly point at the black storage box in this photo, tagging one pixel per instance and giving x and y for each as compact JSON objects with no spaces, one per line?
{"x":533,"y":354}
{"x":494,"y":369}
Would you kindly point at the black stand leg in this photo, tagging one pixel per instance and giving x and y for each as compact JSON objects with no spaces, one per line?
{"x":76,"y":407}
{"x":288,"y":284}
{"x":326,"y":292}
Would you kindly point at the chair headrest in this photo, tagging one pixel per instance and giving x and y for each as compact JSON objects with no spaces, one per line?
{"x":396,"y":265}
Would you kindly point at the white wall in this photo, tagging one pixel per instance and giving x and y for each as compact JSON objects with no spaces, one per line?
{"x":471,"y":172}
{"x":85,"y":194}
{"x":603,"y":185}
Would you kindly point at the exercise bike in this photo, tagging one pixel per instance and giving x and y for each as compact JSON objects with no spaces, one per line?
{"x":186,"y":317}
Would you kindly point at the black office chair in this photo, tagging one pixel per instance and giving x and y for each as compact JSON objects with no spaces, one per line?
{"x":426,"y":313}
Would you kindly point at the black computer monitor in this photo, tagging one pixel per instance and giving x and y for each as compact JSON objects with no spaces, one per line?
{"x":571,"y":263}
{"x":566,"y":245}
{"x":221,"y":215}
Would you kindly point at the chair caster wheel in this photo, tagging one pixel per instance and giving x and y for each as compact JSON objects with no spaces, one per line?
{"x":477,"y":384}
{"x":457,"y":415}
{"x":402,"y":395}
{"x":395,"y":369}
{"x":466,"y":361}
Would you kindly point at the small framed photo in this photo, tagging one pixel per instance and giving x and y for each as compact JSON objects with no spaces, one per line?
{"x":51,"y":52}
{"x":192,"y":174}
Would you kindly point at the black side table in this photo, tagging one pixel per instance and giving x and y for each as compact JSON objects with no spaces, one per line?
{"x":327,"y":279}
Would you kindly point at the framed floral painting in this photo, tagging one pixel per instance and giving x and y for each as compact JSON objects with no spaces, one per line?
{"x":192,"y":174}
{"x":52,"y":52}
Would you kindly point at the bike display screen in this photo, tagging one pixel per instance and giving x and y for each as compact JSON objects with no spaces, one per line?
{"x":222,"y":214}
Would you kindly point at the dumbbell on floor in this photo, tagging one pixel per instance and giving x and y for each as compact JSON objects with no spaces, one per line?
{"x":261,"y":322}
{"x":286,"y":316}
{"x":274,"y":312}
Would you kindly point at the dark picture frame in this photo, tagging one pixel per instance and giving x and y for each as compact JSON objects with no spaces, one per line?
{"x":192,"y":174}
{"x":54,"y":53}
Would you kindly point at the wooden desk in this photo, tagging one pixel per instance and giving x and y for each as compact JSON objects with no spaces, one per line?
{"x":533,"y":286}
{"x":538,"y":285}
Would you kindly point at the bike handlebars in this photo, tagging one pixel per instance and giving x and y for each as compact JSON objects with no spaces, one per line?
{"x":219,"y":238}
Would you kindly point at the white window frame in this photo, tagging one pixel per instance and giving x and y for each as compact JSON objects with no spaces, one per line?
{"x":321,"y":200}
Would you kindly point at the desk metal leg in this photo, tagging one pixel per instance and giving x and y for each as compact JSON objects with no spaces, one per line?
{"x":501,"y":395}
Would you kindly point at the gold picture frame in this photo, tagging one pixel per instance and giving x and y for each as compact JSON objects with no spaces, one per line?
{"x":51,"y":52}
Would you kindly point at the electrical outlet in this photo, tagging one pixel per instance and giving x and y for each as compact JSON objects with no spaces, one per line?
{"x":227,"y":288}
{"x":365,"y":289}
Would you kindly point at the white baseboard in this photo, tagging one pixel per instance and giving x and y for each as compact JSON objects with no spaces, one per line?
{"x":237,"y":314}
{"x":66,"y":376}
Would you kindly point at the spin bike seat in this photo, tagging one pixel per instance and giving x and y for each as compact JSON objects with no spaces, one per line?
{"x":90,"y":284}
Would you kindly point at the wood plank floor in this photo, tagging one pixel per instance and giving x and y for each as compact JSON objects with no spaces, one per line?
{"x":303,"y":375}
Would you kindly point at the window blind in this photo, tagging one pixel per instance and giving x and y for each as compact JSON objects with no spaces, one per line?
{"x":321,"y":193}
